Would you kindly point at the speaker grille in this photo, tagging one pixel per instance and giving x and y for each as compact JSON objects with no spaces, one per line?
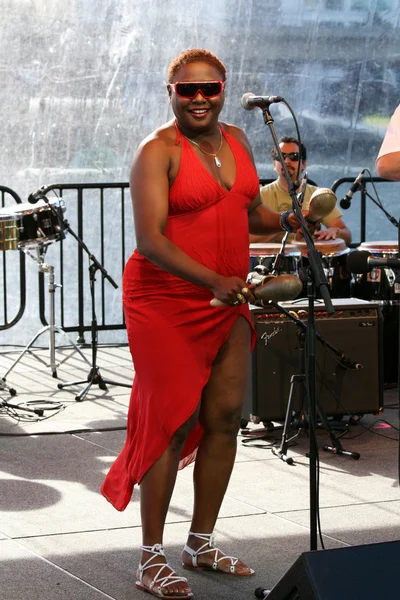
{"x":354,"y":329}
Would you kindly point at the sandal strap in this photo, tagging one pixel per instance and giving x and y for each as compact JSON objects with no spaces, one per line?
{"x":158,"y":550}
{"x":209,"y":546}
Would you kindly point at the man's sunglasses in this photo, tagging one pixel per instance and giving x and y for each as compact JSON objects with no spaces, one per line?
{"x":190,"y":89}
{"x":294,"y":156}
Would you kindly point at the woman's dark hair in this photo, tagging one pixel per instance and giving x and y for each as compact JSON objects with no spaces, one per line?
{"x":195,"y":55}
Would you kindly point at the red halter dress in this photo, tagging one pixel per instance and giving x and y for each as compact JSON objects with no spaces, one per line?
{"x":174,"y":334}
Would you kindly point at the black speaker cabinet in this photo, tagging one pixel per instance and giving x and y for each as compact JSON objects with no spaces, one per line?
{"x":355,"y":329}
{"x":369,"y":572}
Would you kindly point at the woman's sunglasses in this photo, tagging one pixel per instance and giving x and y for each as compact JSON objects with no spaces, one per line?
{"x":190,"y":89}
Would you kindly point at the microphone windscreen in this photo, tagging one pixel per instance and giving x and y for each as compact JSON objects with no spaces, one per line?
{"x":322,"y":203}
{"x":357,"y":261}
{"x":244,"y":99}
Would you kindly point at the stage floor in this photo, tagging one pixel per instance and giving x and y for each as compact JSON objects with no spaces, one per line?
{"x":59,"y":538}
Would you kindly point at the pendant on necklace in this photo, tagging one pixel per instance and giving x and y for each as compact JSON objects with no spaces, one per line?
{"x":217,"y":161}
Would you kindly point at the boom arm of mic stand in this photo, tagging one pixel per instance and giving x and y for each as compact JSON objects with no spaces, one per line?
{"x":303,"y":325}
{"x":91,"y":256}
{"x":387,"y":214}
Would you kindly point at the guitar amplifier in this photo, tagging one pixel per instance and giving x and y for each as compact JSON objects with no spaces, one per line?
{"x":354,"y":329}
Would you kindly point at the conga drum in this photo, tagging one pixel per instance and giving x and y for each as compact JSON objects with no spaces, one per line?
{"x":382,"y":284}
{"x":265,"y":254}
{"x":334,"y":262}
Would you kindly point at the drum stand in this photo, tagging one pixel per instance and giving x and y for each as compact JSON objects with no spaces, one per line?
{"x":51,"y":328}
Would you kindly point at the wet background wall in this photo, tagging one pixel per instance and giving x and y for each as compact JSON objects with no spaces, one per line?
{"x":83,"y":82}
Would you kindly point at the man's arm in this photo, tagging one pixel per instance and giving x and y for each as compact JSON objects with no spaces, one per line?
{"x":388,"y":161}
{"x":388,"y":166}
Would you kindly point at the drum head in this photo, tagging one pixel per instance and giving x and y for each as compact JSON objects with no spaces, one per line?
{"x":326,"y":247}
{"x":380,"y":247}
{"x":270,"y":249}
{"x":28,"y":209}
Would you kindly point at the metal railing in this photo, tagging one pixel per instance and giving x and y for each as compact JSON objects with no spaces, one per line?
{"x":12,"y":270}
{"x":367,"y":187}
{"x":96,"y":214}
{"x":100,"y":215}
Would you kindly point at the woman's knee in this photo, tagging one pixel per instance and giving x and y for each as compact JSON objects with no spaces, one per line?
{"x":227,"y":423}
{"x":181,"y":434}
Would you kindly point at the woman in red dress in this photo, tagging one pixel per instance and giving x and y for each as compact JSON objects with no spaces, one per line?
{"x":195,"y":194}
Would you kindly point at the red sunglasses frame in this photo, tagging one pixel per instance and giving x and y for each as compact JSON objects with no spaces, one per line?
{"x":199,"y":84}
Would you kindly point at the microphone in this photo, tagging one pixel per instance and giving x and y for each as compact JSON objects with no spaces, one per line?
{"x":361,"y":261}
{"x":250,"y":101}
{"x":273,"y":288}
{"x":322,"y":203}
{"x":39,"y":195}
{"x":345,"y":362}
{"x":346,"y":200}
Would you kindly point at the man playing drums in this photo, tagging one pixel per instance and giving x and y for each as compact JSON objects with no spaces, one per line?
{"x":276,"y":194}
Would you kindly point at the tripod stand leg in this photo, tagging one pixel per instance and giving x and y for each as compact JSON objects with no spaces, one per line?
{"x":337,"y":447}
{"x":53,"y":329}
{"x":25,"y":350}
{"x":94,"y":378}
{"x":70,"y":343}
{"x":5,"y":386}
{"x":281,"y":452}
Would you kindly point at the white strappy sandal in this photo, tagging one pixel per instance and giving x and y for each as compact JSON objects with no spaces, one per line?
{"x":159,"y":581}
{"x":209,"y":546}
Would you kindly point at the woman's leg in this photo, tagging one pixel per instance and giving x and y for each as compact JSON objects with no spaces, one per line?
{"x":156,"y":489}
{"x":220,"y":414}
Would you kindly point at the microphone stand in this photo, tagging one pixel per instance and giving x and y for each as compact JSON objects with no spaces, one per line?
{"x":279,"y":257}
{"x":394,"y":222}
{"x":344,"y":361}
{"x":379,"y":205}
{"x":398,"y":364}
{"x":94,"y":376}
{"x":315,"y":280}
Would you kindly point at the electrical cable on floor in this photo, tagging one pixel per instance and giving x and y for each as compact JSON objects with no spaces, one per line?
{"x":366,"y":429}
{"x":34,"y":411}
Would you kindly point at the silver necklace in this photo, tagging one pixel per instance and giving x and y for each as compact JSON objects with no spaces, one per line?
{"x":216,"y":159}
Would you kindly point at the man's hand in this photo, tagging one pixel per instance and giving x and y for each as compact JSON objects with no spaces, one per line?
{"x":295,"y":224}
{"x":331,"y":233}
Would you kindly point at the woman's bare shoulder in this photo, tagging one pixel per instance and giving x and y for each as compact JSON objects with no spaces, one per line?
{"x":160,"y":140}
{"x":238,"y":134}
